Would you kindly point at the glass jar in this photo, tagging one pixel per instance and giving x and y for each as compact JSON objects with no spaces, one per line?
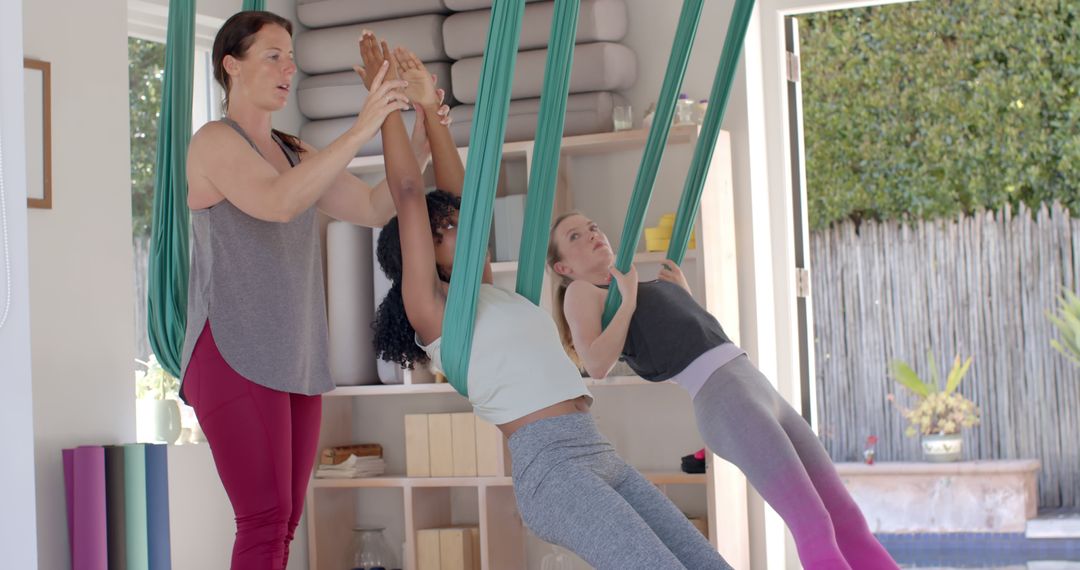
{"x":369,"y":550}
{"x":684,"y":109}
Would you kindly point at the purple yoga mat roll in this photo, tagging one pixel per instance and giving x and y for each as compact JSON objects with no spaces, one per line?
{"x":90,"y":545}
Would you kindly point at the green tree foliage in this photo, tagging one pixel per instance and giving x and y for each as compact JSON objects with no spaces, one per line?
{"x":146,"y":68}
{"x":935,"y":108}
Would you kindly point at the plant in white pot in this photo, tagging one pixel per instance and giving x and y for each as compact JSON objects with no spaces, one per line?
{"x":157,"y":409}
{"x":939,"y":414}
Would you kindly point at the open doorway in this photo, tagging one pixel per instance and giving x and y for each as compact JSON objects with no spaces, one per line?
{"x":931,"y":149}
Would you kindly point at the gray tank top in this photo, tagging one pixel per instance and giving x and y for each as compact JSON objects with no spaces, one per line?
{"x":668,"y":331}
{"x":260,"y":286}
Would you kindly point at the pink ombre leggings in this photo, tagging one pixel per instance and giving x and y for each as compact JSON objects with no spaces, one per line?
{"x":745,"y":420}
{"x":264,"y":444}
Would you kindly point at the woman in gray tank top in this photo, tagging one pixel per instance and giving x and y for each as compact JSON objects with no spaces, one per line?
{"x":255,"y":353}
{"x":663,"y":334}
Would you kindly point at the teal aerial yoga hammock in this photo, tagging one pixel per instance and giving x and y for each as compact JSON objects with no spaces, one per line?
{"x":710,"y":129}
{"x":168,"y":265}
{"x":477,"y":200}
{"x":249,"y":5}
{"x":545,"y":162}
{"x":655,"y":146}
{"x":474,"y":224}
{"x":706,"y":144}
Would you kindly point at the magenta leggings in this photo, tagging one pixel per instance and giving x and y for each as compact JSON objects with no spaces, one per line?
{"x":264,"y":444}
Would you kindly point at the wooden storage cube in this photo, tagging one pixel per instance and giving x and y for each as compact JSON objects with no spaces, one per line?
{"x":431,"y":507}
{"x":333,"y":513}
{"x":502,"y":534}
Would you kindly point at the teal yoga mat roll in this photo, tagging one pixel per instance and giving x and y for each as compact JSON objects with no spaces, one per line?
{"x":135,"y":506}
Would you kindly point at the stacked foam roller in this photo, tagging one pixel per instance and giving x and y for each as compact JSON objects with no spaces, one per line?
{"x":601,"y":67}
{"x":452,"y":45}
{"x":333,"y":94}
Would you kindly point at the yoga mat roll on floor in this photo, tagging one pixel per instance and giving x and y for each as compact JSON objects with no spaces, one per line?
{"x":69,"y":495}
{"x":157,"y":506}
{"x":135,"y":506}
{"x":114,"y":506}
{"x":90,"y":547}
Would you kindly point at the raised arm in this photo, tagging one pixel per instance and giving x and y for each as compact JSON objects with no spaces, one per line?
{"x":220,"y":162}
{"x":599,"y":348}
{"x":352,"y":200}
{"x":449,"y":170}
{"x":421,"y":288}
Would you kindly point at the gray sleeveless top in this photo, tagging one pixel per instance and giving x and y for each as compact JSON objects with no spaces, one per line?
{"x":260,"y":286}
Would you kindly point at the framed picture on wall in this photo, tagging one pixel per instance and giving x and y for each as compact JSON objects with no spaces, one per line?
{"x":37,"y":86}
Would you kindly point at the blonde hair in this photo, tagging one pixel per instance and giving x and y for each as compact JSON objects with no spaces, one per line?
{"x":559,"y":294}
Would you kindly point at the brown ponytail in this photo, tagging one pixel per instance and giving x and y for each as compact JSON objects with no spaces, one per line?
{"x":559,"y":294}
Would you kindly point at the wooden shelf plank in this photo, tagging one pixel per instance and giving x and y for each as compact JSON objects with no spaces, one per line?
{"x":397,"y":481}
{"x":571,"y":146}
{"x":641,"y":257}
{"x":445,"y":388}
{"x":391,"y":389}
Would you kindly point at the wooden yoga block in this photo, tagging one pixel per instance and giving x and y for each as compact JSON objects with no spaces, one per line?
{"x":441,"y":444}
{"x":456,"y":550}
{"x":702,"y":524}
{"x":417,"y":447}
{"x":489,"y":442}
{"x":464,"y":444}
{"x":428,"y":550}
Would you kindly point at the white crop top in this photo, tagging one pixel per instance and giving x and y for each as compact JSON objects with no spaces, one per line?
{"x":517,"y":365}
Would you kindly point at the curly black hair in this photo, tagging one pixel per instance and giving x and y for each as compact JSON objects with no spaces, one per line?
{"x":394,"y":336}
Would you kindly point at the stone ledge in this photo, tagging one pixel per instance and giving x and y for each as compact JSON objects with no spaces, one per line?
{"x":966,"y":496}
{"x":954,"y":468}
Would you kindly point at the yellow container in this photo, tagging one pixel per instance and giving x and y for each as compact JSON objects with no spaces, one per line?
{"x":661,"y":244}
{"x":657,"y":233}
{"x":657,"y":244}
{"x":667,"y":221}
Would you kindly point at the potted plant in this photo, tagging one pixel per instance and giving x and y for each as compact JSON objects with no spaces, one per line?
{"x":940,"y":414}
{"x":157,"y":412}
{"x":1067,"y":321}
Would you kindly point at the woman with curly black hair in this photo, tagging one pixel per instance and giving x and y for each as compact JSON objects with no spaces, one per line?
{"x":571,"y":487}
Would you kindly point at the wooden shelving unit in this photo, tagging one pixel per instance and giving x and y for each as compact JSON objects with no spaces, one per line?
{"x":335,"y":506}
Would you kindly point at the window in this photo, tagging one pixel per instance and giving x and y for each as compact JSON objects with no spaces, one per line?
{"x":146,"y":64}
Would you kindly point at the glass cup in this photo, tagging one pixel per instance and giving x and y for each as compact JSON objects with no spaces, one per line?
{"x":623,"y":117}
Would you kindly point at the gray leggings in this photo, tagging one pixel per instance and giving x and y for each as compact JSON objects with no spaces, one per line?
{"x":573,"y":490}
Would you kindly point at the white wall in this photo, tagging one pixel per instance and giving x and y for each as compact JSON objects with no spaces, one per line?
{"x":81,"y":282}
{"x":18,"y":539}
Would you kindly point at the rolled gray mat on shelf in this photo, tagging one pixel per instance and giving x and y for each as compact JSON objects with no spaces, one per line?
{"x":337,"y":49}
{"x":343,"y":94}
{"x":600,"y":66}
{"x":586,"y":113}
{"x":465,"y":34}
{"x":349,"y":302}
{"x":461,"y":5}
{"x":321,"y":133}
{"x":324,"y":13}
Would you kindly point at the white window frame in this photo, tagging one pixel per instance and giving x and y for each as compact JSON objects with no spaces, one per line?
{"x":149,"y":21}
